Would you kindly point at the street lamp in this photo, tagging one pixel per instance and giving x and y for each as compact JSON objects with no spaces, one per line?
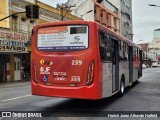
{"x":153,"y":5}
{"x":86,"y":13}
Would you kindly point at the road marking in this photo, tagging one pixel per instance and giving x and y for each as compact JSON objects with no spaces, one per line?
{"x":15,"y":98}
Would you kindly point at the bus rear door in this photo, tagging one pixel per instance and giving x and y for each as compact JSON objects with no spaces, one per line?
{"x":130,"y":54}
{"x":115,"y":64}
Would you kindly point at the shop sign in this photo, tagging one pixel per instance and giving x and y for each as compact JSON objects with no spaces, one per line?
{"x":13,"y":48}
{"x":13,"y":41}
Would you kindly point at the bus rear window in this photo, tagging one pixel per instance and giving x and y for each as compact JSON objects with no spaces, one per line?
{"x":63,"y":38}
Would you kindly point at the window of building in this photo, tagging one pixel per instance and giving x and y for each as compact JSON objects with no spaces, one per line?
{"x":15,"y":23}
{"x":24,"y":25}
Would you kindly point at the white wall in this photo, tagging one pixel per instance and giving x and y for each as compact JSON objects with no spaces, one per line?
{"x":82,"y":7}
{"x":156,"y":43}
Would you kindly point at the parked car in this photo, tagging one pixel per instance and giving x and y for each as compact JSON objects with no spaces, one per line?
{"x":154,"y":64}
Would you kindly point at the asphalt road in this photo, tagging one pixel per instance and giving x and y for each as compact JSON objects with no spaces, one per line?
{"x":144,"y":96}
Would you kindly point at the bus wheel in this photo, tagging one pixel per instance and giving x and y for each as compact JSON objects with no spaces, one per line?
{"x":122,"y":88}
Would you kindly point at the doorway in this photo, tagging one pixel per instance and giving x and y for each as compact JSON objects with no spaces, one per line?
{"x":130,"y":54}
{"x":115,"y":65}
{"x":17,"y":72}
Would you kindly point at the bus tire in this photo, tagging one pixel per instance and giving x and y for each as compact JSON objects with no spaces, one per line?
{"x":122,"y":88}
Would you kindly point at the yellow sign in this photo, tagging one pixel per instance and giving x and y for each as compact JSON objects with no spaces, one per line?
{"x":44,"y":62}
{"x":13,"y":48}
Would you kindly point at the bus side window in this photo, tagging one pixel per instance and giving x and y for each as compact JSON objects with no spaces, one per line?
{"x":125,"y":52}
{"x":137,"y":54}
{"x":121,"y":49}
{"x":102,"y":46}
{"x":134,"y":54}
{"x":105,"y":47}
{"x":108,"y":48}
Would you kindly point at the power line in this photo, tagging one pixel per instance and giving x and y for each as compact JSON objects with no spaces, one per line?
{"x":77,"y":7}
{"x":77,"y":1}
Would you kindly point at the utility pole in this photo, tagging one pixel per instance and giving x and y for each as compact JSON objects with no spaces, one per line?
{"x":62,"y":8}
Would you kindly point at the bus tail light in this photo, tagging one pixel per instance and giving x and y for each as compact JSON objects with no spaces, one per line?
{"x":35,"y":74}
{"x":90,"y":76}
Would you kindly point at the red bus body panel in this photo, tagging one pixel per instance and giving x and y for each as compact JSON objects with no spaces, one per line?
{"x":64,"y":79}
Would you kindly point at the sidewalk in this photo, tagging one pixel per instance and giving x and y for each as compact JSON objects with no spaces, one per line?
{"x":14,"y":83}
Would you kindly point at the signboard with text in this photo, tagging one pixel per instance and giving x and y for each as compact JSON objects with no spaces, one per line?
{"x":13,"y":41}
{"x":63,"y":38}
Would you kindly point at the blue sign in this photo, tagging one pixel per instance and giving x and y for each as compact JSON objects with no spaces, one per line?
{"x":45,"y":78}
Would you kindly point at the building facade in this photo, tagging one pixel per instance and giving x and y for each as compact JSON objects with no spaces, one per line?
{"x":144,"y":47}
{"x":125,"y":13}
{"x":149,"y":56}
{"x":93,"y":10}
{"x":156,"y":43}
{"x":109,"y":5}
{"x":15,"y":35}
{"x":152,"y":49}
{"x":156,"y":39}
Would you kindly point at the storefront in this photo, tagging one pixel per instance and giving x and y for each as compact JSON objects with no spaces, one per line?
{"x":13,"y":48}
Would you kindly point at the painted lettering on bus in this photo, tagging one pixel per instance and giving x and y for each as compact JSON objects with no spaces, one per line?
{"x":77,"y":62}
{"x":44,"y":62}
{"x":44,"y":70}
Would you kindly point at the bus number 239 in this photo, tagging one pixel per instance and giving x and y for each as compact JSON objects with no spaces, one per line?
{"x":76,"y":62}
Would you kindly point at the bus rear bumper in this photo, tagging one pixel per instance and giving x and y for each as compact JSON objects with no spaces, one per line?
{"x":83,"y":92}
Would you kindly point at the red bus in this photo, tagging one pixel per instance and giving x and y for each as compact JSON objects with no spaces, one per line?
{"x":82,"y":59}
